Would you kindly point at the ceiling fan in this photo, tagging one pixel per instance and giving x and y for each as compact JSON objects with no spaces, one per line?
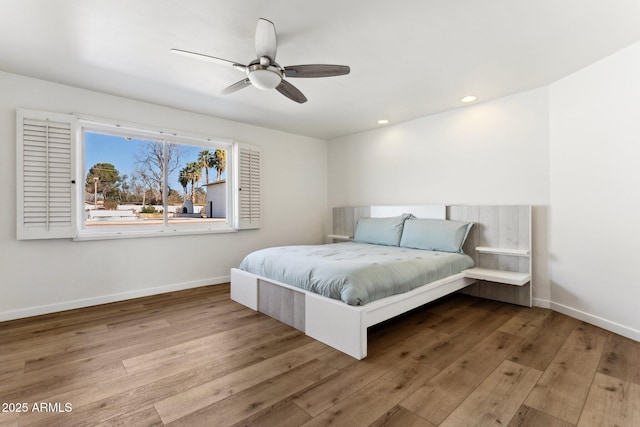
{"x":264,"y":72}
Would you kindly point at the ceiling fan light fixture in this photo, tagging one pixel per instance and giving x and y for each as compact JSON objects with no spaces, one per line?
{"x":265,"y":78}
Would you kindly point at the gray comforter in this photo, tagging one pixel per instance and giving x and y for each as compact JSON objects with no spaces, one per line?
{"x":356,"y":273}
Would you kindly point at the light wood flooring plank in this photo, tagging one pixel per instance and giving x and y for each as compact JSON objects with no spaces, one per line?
{"x":542,"y":345}
{"x":455,"y":319}
{"x":201,"y":314}
{"x":388,"y":334}
{"x":400,"y":417}
{"x":9,"y":419}
{"x":57,"y":323}
{"x":282,"y":414}
{"x":526,"y":323}
{"x":446,"y":351}
{"x":324,"y":395}
{"x":37,"y":386}
{"x":11,"y":368}
{"x":71,"y":318}
{"x":442,"y":394}
{"x":611,"y":402}
{"x":145,"y":417}
{"x":450,"y":304}
{"x":133,"y":345}
{"x":529,"y":417}
{"x":189,"y":401}
{"x":34,"y":349}
{"x":621,"y":359}
{"x":138,"y":325}
{"x":111,"y":397}
{"x":368,"y":404}
{"x":49,"y":343}
{"x":333,"y":389}
{"x":497,"y":399}
{"x":52,"y":335}
{"x":69,"y":346}
{"x":238,"y":338}
{"x":172,"y":299}
{"x":562,"y":390}
{"x":249,"y":402}
{"x":337,"y":359}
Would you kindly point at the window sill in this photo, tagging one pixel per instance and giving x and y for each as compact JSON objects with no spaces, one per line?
{"x":86,"y":235}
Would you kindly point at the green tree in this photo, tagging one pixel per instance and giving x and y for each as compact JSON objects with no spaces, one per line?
{"x":206,"y":160}
{"x":184,"y":179}
{"x":105,"y":179}
{"x":193,"y":171}
{"x":219,"y":162}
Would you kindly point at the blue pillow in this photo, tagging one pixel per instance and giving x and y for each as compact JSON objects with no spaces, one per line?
{"x":435,"y":234}
{"x":380,"y":231}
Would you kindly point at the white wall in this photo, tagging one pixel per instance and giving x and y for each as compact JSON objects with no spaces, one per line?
{"x":495,"y":152}
{"x":492,"y":152}
{"x":41,"y":276}
{"x":595,"y":196}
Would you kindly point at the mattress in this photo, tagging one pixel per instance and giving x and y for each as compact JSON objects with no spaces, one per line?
{"x":356,"y":273}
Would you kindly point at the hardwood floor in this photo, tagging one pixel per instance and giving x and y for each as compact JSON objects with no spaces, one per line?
{"x":196,"y":358}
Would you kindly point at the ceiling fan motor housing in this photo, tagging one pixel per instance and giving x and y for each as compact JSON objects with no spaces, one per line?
{"x":264,"y":77}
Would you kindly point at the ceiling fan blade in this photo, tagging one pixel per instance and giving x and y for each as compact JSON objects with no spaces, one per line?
{"x":291,"y":92}
{"x":236,"y":86}
{"x":206,"y":57}
{"x":316,"y":70}
{"x":266,"y":42}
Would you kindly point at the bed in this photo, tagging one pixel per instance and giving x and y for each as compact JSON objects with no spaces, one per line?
{"x":355,"y":273}
{"x":334,"y":292}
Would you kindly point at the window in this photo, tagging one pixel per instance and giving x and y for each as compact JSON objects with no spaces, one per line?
{"x":87,"y":178}
{"x":136,"y":180}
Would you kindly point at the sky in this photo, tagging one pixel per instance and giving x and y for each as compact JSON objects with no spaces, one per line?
{"x":120,"y":152}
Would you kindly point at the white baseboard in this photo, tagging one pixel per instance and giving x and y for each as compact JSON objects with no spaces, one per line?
{"x":105,"y":299}
{"x":609,"y":325}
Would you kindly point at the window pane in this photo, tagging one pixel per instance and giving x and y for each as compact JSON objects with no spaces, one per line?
{"x":197,"y":187}
{"x":125,"y":182}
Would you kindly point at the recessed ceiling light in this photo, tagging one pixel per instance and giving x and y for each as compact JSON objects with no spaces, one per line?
{"x":383,"y":122}
{"x":468,"y":98}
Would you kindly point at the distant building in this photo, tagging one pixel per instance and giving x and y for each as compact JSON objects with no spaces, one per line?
{"x":217,"y":199}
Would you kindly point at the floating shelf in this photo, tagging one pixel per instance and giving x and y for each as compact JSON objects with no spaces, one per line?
{"x":503,"y":251}
{"x":339,"y":237}
{"x":507,"y":277}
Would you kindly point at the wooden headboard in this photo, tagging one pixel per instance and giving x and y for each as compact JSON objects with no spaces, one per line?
{"x":500,"y":239}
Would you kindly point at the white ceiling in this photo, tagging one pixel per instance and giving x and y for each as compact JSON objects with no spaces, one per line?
{"x":408,"y":58}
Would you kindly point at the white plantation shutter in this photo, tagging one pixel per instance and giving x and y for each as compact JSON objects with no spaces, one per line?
{"x":249,"y":193}
{"x":45,"y":148}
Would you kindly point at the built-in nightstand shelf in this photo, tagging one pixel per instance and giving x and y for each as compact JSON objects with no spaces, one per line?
{"x":506,"y":277}
{"x":503,"y":251}
{"x":340,"y":237}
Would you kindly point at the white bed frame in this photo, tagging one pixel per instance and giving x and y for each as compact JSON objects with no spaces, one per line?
{"x":331,"y":321}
